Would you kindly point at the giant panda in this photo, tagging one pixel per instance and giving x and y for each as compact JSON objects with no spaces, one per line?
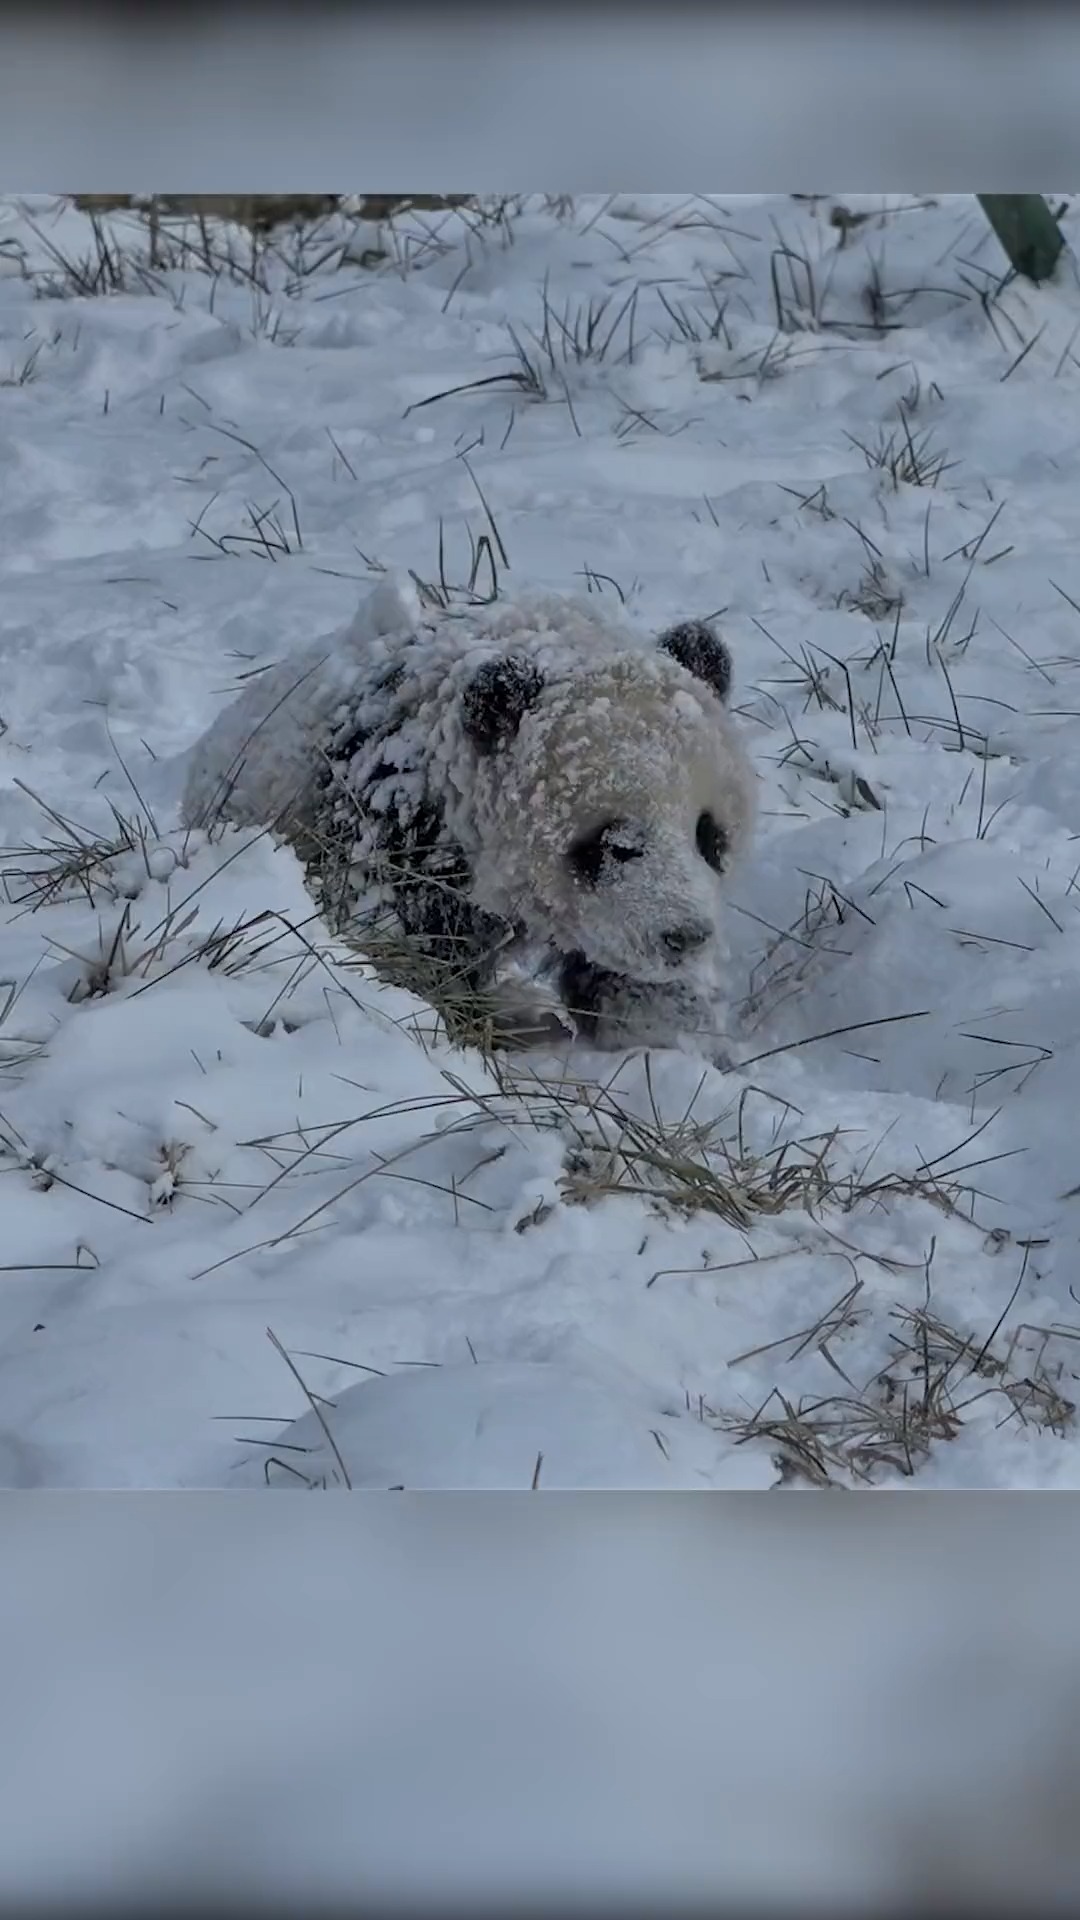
{"x":541,"y":796}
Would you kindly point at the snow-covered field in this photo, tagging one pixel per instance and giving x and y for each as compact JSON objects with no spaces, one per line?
{"x":243,"y":1184}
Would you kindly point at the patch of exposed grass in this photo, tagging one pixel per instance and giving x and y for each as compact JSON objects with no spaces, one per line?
{"x":597,"y":331}
{"x":71,"y":860}
{"x":908,"y":459}
{"x":918,"y":1400}
{"x":442,"y":974}
{"x":17,"y":1050}
{"x":690,"y":1168}
{"x":274,"y":242}
{"x":875,"y":595}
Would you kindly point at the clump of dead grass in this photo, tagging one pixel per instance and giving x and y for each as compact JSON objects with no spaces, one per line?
{"x":272,"y":242}
{"x":920,"y":1398}
{"x":689,"y":1167}
{"x":440,"y":973}
{"x":72,"y":860}
{"x":905,"y":458}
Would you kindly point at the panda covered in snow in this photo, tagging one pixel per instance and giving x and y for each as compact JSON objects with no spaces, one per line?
{"x":540,"y":795}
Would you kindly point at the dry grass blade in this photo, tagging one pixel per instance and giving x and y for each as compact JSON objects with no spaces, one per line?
{"x":312,"y":1403}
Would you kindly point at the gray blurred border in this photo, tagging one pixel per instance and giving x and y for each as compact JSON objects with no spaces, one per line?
{"x":786,"y":1703}
{"x":666,"y":98}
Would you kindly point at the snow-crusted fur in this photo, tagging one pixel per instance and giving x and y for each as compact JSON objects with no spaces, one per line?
{"x":534,"y":782}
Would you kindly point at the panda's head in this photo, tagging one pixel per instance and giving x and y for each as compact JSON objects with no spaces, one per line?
{"x":612,"y":796}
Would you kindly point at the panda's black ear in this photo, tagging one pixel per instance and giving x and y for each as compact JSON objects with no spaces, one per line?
{"x":497,"y":699}
{"x":695,"y":645}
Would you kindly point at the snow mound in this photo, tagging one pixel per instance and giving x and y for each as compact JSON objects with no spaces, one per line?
{"x":470,"y":1427}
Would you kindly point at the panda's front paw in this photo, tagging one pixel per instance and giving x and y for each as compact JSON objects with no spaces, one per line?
{"x":529,"y":1011}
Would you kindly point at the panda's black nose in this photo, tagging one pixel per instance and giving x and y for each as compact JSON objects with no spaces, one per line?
{"x":685,"y":939}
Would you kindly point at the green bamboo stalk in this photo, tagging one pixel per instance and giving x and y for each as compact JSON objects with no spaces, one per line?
{"x":1027,"y":230}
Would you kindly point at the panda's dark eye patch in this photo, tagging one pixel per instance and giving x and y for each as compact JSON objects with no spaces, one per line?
{"x":613,"y":841}
{"x":712,"y":842}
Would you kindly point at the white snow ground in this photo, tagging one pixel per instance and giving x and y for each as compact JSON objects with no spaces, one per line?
{"x":242,"y":1183}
